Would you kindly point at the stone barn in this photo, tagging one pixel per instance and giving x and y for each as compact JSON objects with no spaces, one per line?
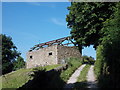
{"x":51,"y":53}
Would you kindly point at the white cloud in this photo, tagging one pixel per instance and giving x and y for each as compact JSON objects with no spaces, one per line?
{"x":34,"y":3}
{"x":42,"y":4}
{"x":58,"y":21}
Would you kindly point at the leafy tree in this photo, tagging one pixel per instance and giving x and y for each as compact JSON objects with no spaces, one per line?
{"x":19,"y":63}
{"x":109,"y":50}
{"x":0,"y":55}
{"x":87,"y":59}
{"x":9,"y":53}
{"x":112,"y":47}
{"x":86,"y":21}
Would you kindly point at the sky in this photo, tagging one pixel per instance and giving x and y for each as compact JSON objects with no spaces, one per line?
{"x":31,"y":23}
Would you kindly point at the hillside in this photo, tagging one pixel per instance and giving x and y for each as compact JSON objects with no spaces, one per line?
{"x":41,"y":76}
{"x":18,"y":78}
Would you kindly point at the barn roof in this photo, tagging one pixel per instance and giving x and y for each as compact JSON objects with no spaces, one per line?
{"x":53,"y":42}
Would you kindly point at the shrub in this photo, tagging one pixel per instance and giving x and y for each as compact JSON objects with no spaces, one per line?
{"x":88,"y":60}
{"x":99,"y":61}
{"x":108,"y":58}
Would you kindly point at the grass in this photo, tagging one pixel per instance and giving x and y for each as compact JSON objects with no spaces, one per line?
{"x":73,"y":64}
{"x":0,"y":83}
{"x":81,"y":82}
{"x":20,"y":77}
{"x":49,"y":67}
{"x":60,"y":81}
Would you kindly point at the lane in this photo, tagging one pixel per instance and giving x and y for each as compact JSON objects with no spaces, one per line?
{"x":73,"y":78}
{"x":91,"y":81}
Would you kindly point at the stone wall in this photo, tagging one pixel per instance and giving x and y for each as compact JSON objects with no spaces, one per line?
{"x":43,"y":56}
{"x":64,"y":52}
{"x":55,"y":54}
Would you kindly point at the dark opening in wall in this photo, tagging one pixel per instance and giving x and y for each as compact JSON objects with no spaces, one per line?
{"x":50,"y":53}
{"x":31,"y":57}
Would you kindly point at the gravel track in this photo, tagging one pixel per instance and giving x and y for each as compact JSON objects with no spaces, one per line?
{"x":73,"y":78}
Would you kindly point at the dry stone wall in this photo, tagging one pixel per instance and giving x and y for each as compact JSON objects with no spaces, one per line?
{"x":64,"y":52}
{"x":55,"y":54}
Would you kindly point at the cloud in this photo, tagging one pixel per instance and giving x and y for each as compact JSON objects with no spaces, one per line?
{"x":34,"y":3}
{"x":58,"y":21}
{"x":42,"y":4}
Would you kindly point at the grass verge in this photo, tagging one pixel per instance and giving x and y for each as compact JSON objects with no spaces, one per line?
{"x":82,"y":79}
{"x":73,"y":64}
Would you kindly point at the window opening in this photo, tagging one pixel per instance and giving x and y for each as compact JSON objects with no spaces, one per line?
{"x":50,"y":53}
{"x":31,"y":57}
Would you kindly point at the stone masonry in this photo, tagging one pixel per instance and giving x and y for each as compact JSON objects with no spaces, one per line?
{"x":55,"y":54}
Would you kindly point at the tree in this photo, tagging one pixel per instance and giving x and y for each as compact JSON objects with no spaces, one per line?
{"x":111,"y":43}
{"x":9,"y":53}
{"x":88,"y":59}
{"x":0,"y":54}
{"x":19,"y":63}
{"x":86,"y":21}
{"x":108,"y":58}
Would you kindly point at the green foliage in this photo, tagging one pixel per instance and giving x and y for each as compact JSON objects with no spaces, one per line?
{"x":87,"y":59}
{"x":86,"y":21}
{"x":48,"y":67}
{"x":19,"y":63}
{"x":108,"y":71}
{"x":100,"y":61}
{"x":0,"y":55}
{"x":73,"y":64}
{"x":9,"y":53}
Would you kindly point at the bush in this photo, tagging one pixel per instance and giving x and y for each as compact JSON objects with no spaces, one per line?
{"x":108,"y":58}
{"x":101,"y":67}
{"x":107,"y":64}
{"x":88,"y":60}
{"x":99,"y":61}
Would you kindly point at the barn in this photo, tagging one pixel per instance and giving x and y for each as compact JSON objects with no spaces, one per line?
{"x":52,"y":52}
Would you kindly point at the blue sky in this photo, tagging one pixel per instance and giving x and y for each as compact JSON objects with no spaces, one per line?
{"x":30,"y":23}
